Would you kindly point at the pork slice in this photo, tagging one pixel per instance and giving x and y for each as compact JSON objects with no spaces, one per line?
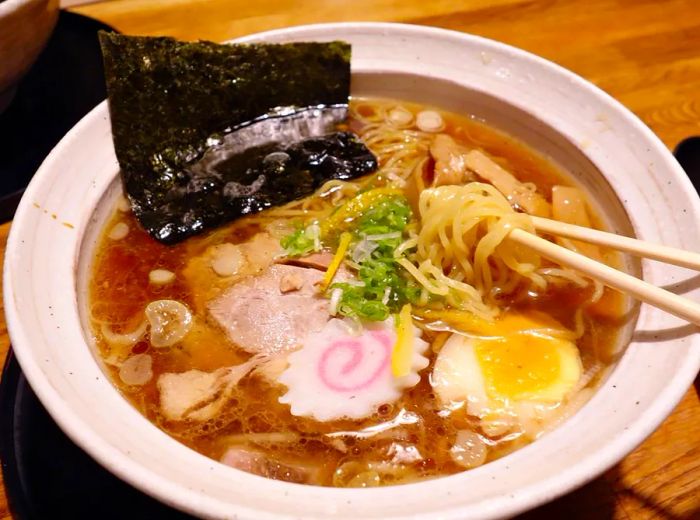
{"x":197,"y":395}
{"x":210,"y":272}
{"x":181,"y":393}
{"x":272,"y":369}
{"x":454,"y":164}
{"x":257,"y":463}
{"x":319,"y":260}
{"x":450,"y":167}
{"x":261,"y":318}
{"x":515,"y":191}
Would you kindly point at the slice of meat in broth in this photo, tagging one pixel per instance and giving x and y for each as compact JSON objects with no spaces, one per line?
{"x":455,"y":164}
{"x":319,"y":260}
{"x":209,"y":273}
{"x":198,"y":395}
{"x":273,"y":312}
{"x":256,"y":462}
{"x":449,"y":161}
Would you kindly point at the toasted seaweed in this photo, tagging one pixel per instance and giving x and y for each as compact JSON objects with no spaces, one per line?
{"x":171,"y":102}
{"x":254,"y":180}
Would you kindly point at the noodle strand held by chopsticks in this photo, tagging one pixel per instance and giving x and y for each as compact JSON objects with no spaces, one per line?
{"x":461,"y":251}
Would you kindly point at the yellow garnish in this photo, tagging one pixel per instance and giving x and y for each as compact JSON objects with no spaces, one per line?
{"x":460,"y":320}
{"x":341,"y":219}
{"x":439,"y":341}
{"x":509,"y":322}
{"x":345,"y":239}
{"x":402,"y":354}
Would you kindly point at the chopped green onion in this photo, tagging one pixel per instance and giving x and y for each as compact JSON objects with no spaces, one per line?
{"x":385,"y":288}
{"x":303,"y":241}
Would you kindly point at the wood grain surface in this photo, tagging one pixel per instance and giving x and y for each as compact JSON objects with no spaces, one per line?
{"x":645,"y":53}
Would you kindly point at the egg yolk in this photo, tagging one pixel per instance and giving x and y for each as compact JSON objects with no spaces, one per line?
{"x":528,"y":366}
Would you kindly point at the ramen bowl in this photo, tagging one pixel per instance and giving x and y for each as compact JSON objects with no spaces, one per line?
{"x":635,"y":182}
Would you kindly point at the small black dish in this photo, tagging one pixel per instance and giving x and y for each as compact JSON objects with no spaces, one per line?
{"x":688,"y":154}
{"x":47,"y":476}
{"x":64,"y":84}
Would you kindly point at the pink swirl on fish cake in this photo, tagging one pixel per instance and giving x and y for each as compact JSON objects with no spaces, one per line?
{"x":356,"y":346}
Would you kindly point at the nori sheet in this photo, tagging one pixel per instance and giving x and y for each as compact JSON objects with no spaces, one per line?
{"x":249,"y":182}
{"x":169,"y":100}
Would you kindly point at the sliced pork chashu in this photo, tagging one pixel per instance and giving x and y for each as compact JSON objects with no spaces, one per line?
{"x":455,"y":164}
{"x":274,"y":311}
{"x":198,"y":395}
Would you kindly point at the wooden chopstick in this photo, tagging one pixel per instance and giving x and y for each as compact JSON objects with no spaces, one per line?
{"x":670,"y":255}
{"x":643,"y":291}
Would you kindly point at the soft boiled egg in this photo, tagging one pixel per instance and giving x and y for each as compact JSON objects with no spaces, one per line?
{"x":514,"y":379}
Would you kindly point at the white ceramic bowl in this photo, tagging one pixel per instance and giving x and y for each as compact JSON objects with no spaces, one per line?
{"x":557,"y":112}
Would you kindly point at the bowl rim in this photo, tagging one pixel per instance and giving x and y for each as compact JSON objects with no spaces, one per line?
{"x":584,"y":470}
{"x":9,"y":6}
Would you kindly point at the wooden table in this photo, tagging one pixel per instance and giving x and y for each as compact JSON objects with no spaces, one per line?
{"x":644,"y":53}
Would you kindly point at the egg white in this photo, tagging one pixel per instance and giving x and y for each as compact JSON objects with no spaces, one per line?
{"x":458,"y":380}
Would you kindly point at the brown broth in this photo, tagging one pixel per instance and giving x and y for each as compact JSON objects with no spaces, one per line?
{"x":120,"y":290}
